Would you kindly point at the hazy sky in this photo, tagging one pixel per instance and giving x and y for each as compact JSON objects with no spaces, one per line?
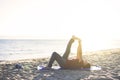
{"x":59,"y":18}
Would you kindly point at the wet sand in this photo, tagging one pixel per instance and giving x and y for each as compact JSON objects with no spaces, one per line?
{"x":109,"y":60}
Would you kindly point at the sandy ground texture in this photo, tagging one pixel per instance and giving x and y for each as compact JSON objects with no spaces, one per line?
{"x":109,"y":60}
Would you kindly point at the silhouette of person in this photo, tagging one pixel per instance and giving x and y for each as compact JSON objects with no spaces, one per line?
{"x":64,"y":62}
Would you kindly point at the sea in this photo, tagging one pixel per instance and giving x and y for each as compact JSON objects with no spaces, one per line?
{"x":15,"y":49}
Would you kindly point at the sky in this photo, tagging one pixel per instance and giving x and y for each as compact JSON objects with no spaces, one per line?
{"x":96,"y":19}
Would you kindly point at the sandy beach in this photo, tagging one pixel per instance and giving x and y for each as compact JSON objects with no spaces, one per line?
{"x":108,"y":60}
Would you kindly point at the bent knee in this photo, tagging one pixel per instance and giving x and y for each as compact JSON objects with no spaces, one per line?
{"x":55,"y":53}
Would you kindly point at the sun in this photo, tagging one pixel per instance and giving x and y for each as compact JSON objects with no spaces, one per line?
{"x":92,"y":41}
{"x":94,"y":44}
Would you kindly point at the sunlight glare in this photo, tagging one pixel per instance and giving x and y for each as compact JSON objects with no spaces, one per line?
{"x":94,"y":44}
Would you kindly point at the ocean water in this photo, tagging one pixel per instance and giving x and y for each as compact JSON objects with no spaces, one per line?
{"x":21,"y":49}
{"x":11,"y":49}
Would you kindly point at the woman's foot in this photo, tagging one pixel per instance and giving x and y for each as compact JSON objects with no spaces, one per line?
{"x":74,"y":37}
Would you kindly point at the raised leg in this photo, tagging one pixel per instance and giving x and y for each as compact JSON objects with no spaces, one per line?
{"x":67,"y":52}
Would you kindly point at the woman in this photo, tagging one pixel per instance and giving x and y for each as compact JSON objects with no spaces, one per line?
{"x":65,"y":62}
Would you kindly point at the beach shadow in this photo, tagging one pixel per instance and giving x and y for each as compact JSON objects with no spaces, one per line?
{"x":62,"y":75}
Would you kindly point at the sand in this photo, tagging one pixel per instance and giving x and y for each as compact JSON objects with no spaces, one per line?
{"x":109,"y":60}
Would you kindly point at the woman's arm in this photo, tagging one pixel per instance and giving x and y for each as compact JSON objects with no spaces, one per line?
{"x":79,"y":50}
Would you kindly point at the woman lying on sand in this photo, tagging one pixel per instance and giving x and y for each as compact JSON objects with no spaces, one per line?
{"x":64,"y":62}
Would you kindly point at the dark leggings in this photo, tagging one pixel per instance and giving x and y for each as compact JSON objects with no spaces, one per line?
{"x":60,"y":60}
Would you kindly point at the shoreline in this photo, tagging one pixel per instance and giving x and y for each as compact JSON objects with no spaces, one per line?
{"x":108,"y":60}
{"x":44,"y":57}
